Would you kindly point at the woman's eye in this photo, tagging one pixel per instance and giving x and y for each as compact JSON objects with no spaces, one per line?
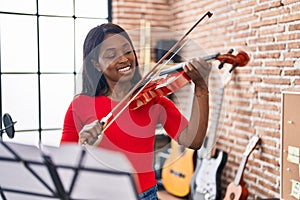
{"x":110,"y":56}
{"x":128,"y":52}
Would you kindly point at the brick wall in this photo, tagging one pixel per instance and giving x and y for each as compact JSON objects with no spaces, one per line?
{"x":269,"y":31}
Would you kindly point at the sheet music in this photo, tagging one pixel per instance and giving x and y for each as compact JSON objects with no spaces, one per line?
{"x":102,"y":174}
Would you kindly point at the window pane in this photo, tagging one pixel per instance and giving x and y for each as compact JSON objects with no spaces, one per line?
{"x":20,"y":100}
{"x":18,"y":43}
{"x":91,"y":8}
{"x":56,"y":7}
{"x":54,"y":52}
{"x":56,"y":44}
{"x":57,"y":91}
{"x":51,"y":138}
{"x":82,"y":27}
{"x":30,"y":138}
{"x":21,"y":6}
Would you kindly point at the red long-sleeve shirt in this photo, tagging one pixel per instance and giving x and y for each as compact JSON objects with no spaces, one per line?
{"x":132,"y":133}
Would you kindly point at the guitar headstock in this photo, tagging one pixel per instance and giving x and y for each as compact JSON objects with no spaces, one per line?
{"x":251,"y":145}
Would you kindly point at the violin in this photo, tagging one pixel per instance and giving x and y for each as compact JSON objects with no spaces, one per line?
{"x":172,"y":79}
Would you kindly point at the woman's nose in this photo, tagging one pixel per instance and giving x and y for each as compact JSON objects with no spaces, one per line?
{"x":123,"y":58}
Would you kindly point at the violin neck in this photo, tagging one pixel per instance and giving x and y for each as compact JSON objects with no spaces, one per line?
{"x":171,"y":70}
{"x":179,"y":67}
{"x":210,"y":57}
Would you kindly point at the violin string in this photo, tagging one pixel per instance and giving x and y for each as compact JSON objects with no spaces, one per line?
{"x":157,"y":72}
{"x":104,"y":120}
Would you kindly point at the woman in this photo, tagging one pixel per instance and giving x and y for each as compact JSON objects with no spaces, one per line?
{"x":110,"y":70}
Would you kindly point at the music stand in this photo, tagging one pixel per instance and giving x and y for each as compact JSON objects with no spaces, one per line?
{"x":69,"y":172}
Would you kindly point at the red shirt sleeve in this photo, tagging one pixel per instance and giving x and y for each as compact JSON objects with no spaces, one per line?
{"x":171,"y":118}
{"x":70,"y":133}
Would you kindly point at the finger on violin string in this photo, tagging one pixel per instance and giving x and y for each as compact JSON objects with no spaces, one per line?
{"x":200,"y":64}
{"x":191,"y":69}
{"x":188,"y":67}
{"x":202,"y":67}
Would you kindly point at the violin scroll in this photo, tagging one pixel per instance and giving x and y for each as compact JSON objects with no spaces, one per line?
{"x":239,"y":60}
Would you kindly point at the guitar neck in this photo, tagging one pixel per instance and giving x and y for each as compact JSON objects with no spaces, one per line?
{"x":213,"y":126}
{"x":240,"y":171}
{"x":216,"y":113}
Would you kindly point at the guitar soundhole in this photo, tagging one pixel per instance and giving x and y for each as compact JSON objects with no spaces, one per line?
{"x":231,"y":196}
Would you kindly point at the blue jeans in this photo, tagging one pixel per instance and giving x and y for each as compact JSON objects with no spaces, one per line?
{"x":150,"y":194}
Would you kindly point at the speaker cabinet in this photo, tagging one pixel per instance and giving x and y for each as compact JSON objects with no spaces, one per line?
{"x":163,"y":46}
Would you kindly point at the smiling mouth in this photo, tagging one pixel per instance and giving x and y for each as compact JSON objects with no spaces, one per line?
{"x":124,"y":69}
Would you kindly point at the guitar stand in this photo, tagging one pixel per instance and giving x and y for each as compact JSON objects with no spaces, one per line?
{"x":70,"y":172}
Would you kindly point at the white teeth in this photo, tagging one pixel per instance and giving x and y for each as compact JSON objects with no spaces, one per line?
{"x":124,"y":69}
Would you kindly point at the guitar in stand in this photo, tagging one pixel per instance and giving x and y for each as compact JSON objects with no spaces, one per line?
{"x":236,"y":190}
{"x":178,"y":170}
{"x":206,"y":181}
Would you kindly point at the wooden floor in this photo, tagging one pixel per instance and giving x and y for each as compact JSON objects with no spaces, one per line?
{"x":163,"y":195}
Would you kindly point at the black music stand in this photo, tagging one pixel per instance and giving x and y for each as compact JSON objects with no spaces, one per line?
{"x":70,"y":172}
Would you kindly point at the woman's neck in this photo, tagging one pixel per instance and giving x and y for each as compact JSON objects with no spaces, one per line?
{"x":119,"y":91}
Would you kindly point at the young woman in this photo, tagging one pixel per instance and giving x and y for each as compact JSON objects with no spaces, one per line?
{"x":110,"y":70}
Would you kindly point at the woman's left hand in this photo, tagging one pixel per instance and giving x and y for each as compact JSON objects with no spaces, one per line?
{"x":198,"y":70}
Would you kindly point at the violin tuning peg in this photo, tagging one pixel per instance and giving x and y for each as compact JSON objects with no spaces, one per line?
{"x":221,"y":65}
{"x":233,"y":67}
{"x":230,"y":51}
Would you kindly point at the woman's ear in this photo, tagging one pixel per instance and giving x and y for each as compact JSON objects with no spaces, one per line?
{"x":96,"y":65}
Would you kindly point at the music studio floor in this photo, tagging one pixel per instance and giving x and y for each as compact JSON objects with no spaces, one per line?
{"x":164,"y":195}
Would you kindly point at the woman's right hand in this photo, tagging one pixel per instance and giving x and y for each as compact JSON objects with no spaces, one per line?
{"x":90,"y":133}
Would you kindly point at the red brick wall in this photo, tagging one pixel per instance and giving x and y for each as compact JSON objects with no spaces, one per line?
{"x":269,"y":31}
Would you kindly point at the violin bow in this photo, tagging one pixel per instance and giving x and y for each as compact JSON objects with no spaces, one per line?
{"x":104,"y":120}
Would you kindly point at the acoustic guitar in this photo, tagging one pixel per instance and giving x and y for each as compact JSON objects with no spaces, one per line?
{"x":178,"y":170}
{"x":236,"y":190}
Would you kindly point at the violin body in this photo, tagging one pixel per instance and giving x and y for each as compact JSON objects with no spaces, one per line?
{"x":167,"y":83}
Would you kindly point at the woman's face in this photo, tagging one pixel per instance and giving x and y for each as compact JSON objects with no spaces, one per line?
{"x":116,"y":59}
